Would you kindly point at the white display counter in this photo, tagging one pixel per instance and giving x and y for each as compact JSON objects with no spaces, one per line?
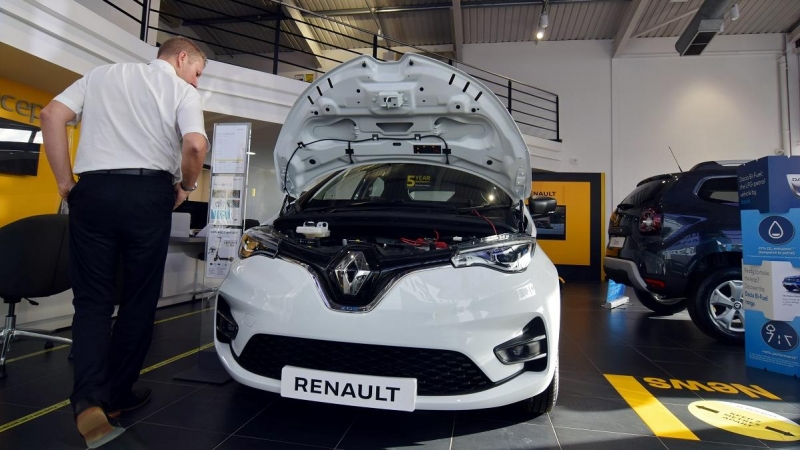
{"x":183,"y":281}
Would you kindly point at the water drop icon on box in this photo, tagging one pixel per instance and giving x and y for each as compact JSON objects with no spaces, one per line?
{"x":775,"y":230}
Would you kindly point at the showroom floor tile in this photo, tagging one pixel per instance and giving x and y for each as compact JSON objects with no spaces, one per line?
{"x":667,"y":356}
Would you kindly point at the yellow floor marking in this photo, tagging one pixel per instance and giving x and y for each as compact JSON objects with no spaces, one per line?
{"x":49,"y":409}
{"x":175,"y":358}
{"x":59,"y":347}
{"x":654,"y":414}
{"x":181,"y":316}
{"x":42,"y":352}
{"x":29,"y":417}
{"x":746,"y":420}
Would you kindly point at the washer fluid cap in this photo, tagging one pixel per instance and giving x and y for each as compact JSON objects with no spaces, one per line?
{"x":310,"y":230}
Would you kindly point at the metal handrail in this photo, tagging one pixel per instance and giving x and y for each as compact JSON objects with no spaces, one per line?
{"x":513,"y":88}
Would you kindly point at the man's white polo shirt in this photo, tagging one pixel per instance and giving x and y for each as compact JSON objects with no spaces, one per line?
{"x":133,"y":115}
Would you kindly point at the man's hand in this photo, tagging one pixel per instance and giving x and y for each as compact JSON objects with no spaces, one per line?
{"x":63,"y":190}
{"x":180,"y":196}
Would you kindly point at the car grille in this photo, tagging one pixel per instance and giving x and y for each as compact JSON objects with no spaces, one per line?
{"x":438,"y":372}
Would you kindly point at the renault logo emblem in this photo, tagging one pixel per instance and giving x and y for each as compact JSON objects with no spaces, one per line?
{"x":351,"y":272}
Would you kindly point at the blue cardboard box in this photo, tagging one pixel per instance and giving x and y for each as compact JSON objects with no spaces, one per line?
{"x":769,"y":201}
{"x":771,"y":297}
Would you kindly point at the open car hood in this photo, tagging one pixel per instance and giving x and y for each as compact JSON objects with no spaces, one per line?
{"x":416,"y":110}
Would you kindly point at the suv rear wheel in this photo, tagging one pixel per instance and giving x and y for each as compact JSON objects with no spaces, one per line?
{"x":659,"y":304}
{"x":716,"y":307}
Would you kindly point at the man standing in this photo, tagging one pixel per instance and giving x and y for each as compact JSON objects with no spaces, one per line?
{"x":141,"y":150}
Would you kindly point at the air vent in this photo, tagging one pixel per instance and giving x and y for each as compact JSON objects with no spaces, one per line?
{"x":704,"y":26}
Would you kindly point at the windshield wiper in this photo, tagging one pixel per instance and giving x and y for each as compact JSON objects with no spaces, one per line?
{"x":469,"y":209}
{"x":374,"y":205}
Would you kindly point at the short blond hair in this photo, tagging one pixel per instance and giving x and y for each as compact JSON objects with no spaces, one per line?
{"x":177,"y":44}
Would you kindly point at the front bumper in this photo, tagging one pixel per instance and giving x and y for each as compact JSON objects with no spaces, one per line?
{"x":466,"y":311}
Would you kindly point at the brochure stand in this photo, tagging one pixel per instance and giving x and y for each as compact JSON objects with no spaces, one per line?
{"x":615,"y":296}
{"x":226,"y":207}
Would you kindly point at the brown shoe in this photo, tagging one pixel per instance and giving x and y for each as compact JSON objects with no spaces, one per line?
{"x":95,"y":428}
{"x":137,"y":398}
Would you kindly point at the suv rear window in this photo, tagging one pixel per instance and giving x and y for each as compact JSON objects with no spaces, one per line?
{"x":719,"y":190}
{"x":644,"y":193}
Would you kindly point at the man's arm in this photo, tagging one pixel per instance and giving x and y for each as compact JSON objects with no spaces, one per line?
{"x":54,"y":119}
{"x":195,"y":146}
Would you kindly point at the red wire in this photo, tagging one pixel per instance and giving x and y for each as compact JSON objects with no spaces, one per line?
{"x":484,"y":218}
{"x":423,"y":242}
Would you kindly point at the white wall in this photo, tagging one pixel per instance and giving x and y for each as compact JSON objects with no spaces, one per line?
{"x":721,"y":105}
{"x":580,"y":73}
{"x":716,"y":107}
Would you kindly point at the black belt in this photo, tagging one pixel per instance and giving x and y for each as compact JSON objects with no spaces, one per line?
{"x":140,"y":172}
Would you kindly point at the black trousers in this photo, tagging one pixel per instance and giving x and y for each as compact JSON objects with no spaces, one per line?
{"x":115,"y":219}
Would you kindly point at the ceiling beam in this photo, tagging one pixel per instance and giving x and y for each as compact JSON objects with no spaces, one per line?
{"x":305,"y":30}
{"x":266,"y":17}
{"x":442,"y":6}
{"x":628,"y":26}
{"x":794,"y":35}
{"x":458,"y":29}
{"x":667,"y":22}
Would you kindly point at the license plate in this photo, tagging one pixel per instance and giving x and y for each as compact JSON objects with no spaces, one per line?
{"x":616,"y":242}
{"x":398,"y":394}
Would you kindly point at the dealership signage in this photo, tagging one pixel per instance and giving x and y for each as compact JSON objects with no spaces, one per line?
{"x":752,"y":391}
{"x":24,"y":108}
{"x":769,"y":200}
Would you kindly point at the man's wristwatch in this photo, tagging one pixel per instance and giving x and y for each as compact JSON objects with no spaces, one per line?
{"x":185,"y":189}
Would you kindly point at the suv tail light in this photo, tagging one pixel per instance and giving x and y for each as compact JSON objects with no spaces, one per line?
{"x":650,"y":221}
{"x":612,"y":221}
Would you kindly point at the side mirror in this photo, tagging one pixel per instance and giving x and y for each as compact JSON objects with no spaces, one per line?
{"x":541,"y":206}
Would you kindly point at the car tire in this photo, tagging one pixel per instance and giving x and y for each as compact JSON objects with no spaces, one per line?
{"x":544,"y":402}
{"x":660,"y":305}
{"x":716,"y":307}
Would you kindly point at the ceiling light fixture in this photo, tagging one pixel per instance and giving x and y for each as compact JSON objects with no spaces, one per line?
{"x":735,"y":12}
{"x":544,"y":20}
{"x":540,"y":34}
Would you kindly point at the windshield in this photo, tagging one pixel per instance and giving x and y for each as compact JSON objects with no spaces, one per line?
{"x":408,"y":185}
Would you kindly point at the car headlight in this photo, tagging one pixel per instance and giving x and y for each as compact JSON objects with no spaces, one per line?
{"x":513,"y":256}
{"x":258,"y":241}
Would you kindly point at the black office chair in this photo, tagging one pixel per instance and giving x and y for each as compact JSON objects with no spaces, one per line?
{"x":35,"y":264}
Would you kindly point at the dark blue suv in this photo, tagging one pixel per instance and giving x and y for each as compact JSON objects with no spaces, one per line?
{"x":792,"y":283}
{"x":677,"y":240}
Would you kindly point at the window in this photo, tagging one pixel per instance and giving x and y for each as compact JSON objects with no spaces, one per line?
{"x":720,"y":190}
{"x":408,"y":184}
{"x":19,"y":148}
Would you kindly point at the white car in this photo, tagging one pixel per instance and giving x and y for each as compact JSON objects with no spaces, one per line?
{"x":402,"y":271}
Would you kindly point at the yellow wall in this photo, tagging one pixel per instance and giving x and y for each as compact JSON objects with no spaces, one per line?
{"x":23,"y":195}
{"x":576,"y":196}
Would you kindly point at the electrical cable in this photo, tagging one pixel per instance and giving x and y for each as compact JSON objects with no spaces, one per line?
{"x":486,"y":219}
